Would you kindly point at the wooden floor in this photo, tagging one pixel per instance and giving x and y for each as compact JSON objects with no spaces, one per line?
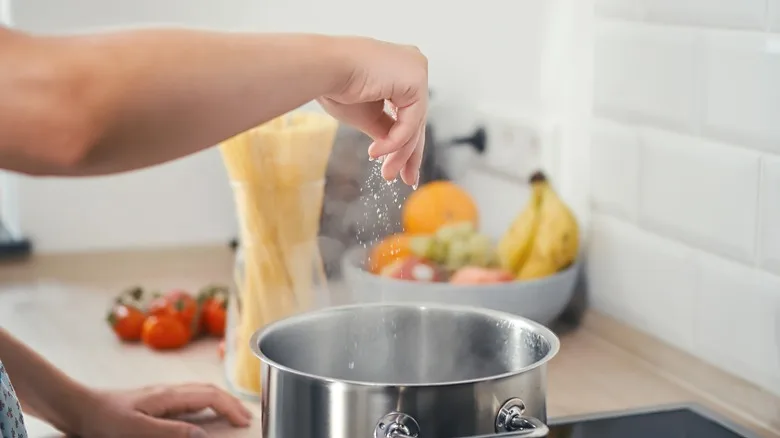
{"x":57,"y":304}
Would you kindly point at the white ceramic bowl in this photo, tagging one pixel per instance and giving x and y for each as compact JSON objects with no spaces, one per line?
{"x":541,"y":300}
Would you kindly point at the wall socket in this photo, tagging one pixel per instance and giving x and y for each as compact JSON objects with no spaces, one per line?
{"x":518,"y":142}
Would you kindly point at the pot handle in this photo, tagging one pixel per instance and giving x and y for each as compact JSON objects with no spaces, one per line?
{"x":400,"y":425}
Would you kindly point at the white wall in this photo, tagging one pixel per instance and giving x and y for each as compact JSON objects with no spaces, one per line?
{"x":686,"y":176}
{"x":499,"y":52}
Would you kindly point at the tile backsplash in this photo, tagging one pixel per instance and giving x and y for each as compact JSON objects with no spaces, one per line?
{"x":685,"y":176}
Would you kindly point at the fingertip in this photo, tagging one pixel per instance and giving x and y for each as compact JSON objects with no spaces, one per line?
{"x":196,"y":432}
{"x":237,"y":419}
{"x":372,"y":154}
{"x":388,"y":171}
{"x":380,"y":148}
{"x":410,"y":171}
{"x":409,"y":175}
{"x":241,"y":417}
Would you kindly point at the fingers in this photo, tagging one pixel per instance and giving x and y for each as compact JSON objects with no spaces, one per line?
{"x":191,"y":398}
{"x":397,"y":160}
{"x":402,"y":141}
{"x":411,"y":170}
{"x":149,"y":427}
{"x":402,"y":131}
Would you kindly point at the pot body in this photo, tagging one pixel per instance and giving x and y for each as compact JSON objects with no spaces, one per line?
{"x":448,"y":371}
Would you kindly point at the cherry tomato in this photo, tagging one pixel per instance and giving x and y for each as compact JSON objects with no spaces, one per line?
{"x":213,"y":316}
{"x":126,"y":321}
{"x":165,"y":332}
{"x":177,"y":303}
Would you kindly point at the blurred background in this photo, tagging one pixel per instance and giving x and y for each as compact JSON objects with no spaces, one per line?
{"x":654,"y":119}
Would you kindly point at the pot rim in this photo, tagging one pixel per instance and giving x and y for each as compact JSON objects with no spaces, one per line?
{"x":540,"y":329}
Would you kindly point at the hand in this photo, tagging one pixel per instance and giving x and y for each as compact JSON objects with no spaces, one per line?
{"x":146,"y":412}
{"x":382,"y":72}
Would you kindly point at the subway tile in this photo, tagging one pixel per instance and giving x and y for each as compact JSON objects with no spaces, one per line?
{"x":642,"y":279}
{"x":743,"y":14}
{"x":618,"y":8}
{"x":646,"y":73}
{"x":737,"y":312}
{"x":769,"y":210}
{"x":741,"y":91}
{"x":699,"y":192}
{"x":615,"y":169}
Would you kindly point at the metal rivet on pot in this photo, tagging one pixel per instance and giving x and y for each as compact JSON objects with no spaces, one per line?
{"x":397,"y":424}
{"x":509,"y":417}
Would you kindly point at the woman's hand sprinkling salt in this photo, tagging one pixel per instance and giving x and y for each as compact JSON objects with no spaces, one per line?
{"x":380,"y":73}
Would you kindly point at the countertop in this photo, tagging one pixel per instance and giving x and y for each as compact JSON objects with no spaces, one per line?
{"x":57,"y":305}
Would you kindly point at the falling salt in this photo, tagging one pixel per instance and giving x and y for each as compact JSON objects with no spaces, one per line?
{"x":380,"y":218}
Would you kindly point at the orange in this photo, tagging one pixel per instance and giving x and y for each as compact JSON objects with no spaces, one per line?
{"x":435,"y":204}
{"x":388,"y":250}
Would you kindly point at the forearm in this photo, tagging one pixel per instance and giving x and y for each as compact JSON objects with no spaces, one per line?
{"x":144,"y":97}
{"x":43,"y":390}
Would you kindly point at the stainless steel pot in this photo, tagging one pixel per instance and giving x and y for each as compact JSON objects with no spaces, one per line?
{"x":404,"y":370}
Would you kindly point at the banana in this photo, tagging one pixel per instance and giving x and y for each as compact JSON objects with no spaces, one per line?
{"x":556,"y":243}
{"x":536,"y":267}
{"x":516,"y":244}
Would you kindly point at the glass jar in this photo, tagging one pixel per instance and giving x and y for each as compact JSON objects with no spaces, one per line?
{"x":278,"y":270}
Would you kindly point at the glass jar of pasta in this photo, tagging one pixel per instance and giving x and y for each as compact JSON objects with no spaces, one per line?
{"x":277,"y":174}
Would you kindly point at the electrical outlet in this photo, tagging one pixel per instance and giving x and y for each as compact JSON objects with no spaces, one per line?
{"x":519,"y":143}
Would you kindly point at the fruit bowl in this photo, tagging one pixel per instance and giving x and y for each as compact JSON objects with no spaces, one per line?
{"x":541,"y":300}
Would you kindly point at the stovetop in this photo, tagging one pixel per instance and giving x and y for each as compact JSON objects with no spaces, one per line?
{"x":675,"y":421}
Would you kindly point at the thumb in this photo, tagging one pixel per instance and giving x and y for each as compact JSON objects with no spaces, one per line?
{"x":159,"y":428}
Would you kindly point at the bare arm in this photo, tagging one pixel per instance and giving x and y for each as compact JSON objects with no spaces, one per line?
{"x":44,"y":391}
{"x":96,"y":104}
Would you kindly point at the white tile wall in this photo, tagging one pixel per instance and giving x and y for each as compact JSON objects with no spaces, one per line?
{"x":646,"y":73}
{"x":741,"y":91}
{"x":699,"y":192}
{"x":749,"y":14}
{"x":614,"y":156}
{"x":685,"y":176}
{"x":643,"y":279}
{"x":769,"y":219}
{"x":735,"y":319}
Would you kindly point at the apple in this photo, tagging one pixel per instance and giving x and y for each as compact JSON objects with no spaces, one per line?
{"x":415,"y":269}
{"x":479,"y":275}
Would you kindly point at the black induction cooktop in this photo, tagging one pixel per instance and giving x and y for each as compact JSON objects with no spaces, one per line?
{"x":673,"y":421}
